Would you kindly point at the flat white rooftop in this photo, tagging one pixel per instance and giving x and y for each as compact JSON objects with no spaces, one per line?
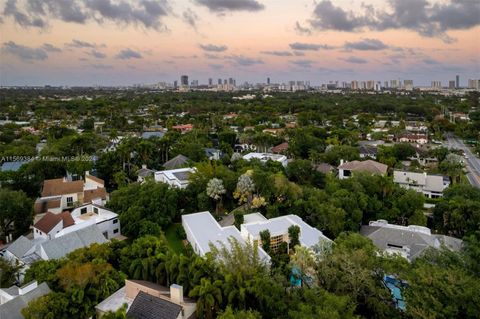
{"x":309,"y":236}
{"x":205,"y":231}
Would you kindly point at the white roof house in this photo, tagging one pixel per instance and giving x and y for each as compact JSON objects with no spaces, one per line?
{"x":14,"y":299}
{"x":432,"y":186}
{"x":202,"y":230}
{"x":264,"y":157}
{"x":175,"y":177}
{"x":278,"y":228}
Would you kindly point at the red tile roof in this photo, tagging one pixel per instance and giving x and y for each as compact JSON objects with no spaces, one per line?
{"x":58,"y":186}
{"x":48,"y":222}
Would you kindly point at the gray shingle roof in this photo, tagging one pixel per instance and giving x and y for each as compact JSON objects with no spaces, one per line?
{"x":146,"y":306}
{"x":61,"y":246}
{"x":176,"y":162}
{"x":12,"y":309}
{"x":20,"y":247}
{"x":417,"y":242}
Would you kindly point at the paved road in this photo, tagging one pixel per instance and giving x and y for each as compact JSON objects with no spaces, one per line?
{"x":472,"y":163}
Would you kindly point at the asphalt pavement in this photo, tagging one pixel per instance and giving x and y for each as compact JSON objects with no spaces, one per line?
{"x":472,"y":162}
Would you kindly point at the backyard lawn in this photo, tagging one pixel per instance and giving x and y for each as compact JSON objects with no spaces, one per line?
{"x":174,"y":240}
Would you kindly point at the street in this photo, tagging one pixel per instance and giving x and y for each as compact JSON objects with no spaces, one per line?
{"x":472,"y":162}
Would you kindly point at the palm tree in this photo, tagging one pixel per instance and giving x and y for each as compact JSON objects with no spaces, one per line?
{"x":209,"y":297}
{"x":215,"y":190}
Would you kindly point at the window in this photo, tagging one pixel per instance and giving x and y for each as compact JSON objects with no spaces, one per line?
{"x":95,"y":210}
{"x":115,"y":221}
{"x":83,"y":211}
{"x":275,"y":242}
{"x":115,"y":231}
{"x":347,"y":173}
{"x":105,"y":234}
{"x":70,"y":201}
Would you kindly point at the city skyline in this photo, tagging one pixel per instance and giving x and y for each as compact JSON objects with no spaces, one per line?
{"x":107,"y":42}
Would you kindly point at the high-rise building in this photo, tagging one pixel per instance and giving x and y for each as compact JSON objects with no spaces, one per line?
{"x":175,"y":84}
{"x":394,"y":84}
{"x":370,"y":85}
{"x":354,"y":85}
{"x":219,"y":82}
{"x":451,"y":84}
{"x":184,"y":80}
{"x":268,"y":81}
{"x":385,"y":84}
{"x":474,"y":84}
{"x":436,"y":85}
{"x":457,"y":81}
{"x":408,"y":85}
{"x":210,"y":81}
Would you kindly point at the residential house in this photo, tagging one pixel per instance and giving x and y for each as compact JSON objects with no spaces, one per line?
{"x":12,"y":166}
{"x":203,"y":230}
{"x":175,"y":177}
{"x":278,"y":227}
{"x":414,"y":138}
{"x":176,"y":162}
{"x":213,"y":154}
{"x":27,"y":251}
{"x":184,"y":128}
{"x":148,"y":134}
{"x":280,"y":148}
{"x":264,"y":157}
{"x":345,"y":170}
{"x":144,"y":173}
{"x":147,"y":300}
{"x":61,"y":194}
{"x":367,"y":151}
{"x":324,"y":168}
{"x":273,"y":131}
{"x":409,"y":242}
{"x":432,"y":186}
{"x":14,"y":299}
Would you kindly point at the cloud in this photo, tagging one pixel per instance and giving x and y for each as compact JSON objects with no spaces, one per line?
{"x":429,"y":20}
{"x":37,"y":13}
{"x":213,"y":48}
{"x":50,"y":48}
{"x":299,"y":53}
{"x":190,"y":18}
{"x":355,"y":60}
{"x":302,"y":30}
{"x":309,"y":46}
{"x":231,"y":5}
{"x":244,"y":61}
{"x":23,"y":52}
{"x":216,"y":66}
{"x":303,"y":63}
{"x":83,"y":44}
{"x":21,"y":18}
{"x":277,"y":53}
{"x":366,"y":45}
{"x":101,"y":66}
{"x":97,"y":54}
{"x":430,"y":61}
{"x":212,"y":56}
{"x":127,"y":53}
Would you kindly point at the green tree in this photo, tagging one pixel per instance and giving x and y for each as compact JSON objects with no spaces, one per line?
{"x":242,"y":314}
{"x":8,"y":273}
{"x":15,"y":213}
{"x":265,"y":239}
{"x":209,"y":297}
{"x":293,"y":235}
{"x":215,"y":190}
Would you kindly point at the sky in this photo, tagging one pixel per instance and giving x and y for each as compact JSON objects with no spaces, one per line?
{"x":120,"y":42}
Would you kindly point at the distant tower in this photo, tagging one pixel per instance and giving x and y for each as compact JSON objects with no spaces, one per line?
{"x":457,"y":81}
{"x":219,"y":82}
{"x":210,"y":81}
{"x":268,"y":81}
{"x":175,"y":84}
{"x":184,"y":80}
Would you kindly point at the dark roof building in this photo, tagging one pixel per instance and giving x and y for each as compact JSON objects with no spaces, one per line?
{"x":146,"y":306}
